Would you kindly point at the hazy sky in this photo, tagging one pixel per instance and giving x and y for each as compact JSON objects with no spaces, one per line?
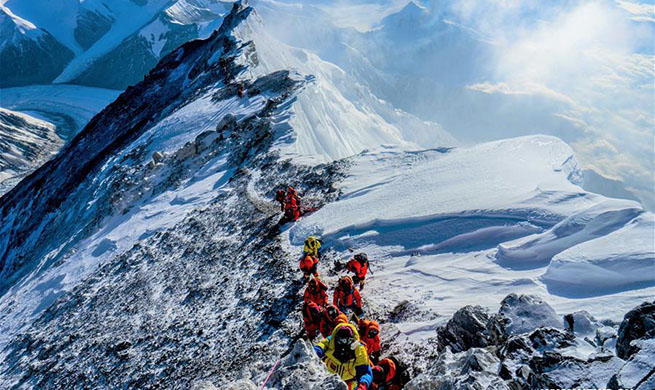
{"x":594,"y":57}
{"x":582,"y":70}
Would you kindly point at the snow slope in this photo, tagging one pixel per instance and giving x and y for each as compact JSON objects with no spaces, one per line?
{"x":338,"y":117}
{"x":449,"y":227}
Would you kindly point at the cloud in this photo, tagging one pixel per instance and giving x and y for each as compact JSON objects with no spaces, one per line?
{"x":591,"y":55}
{"x":640,"y":12}
{"x":524,"y":88}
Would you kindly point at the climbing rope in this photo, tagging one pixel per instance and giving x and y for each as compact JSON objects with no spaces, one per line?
{"x":269,"y":374}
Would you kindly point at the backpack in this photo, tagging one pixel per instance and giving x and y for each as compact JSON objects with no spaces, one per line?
{"x":362,"y":258}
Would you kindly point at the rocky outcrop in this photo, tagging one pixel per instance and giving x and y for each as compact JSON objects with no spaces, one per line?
{"x":525,"y":346}
{"x":476,"y":368}
{"x":467,"y":329}
{"x":638,"y":323}
{"x":639,"y":371}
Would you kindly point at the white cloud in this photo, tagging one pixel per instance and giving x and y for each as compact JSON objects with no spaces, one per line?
{"x":640,"y":12}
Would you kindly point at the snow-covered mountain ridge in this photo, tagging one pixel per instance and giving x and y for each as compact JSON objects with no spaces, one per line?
{"x":117,"y":195}
{"x":145,"y":254}
{"x":39,"y":120}
{"x":109,"y":44}
{"x":28,"y":55}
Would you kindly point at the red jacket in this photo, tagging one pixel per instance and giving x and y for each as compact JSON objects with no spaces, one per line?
{"x":279,"y":196}
{"x":357,"y":268}
{"x":372,"y":343}
{"x":328,"y":324}
{"x":347,"y":298}
{"x":316,"y":292}
{"x":291,"y":209}
{"x":311,"y":321}
{"x":307,"y":264}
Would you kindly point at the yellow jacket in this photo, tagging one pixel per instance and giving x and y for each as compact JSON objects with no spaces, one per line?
{"x":312,"y":246}
{"x":357,"y":369}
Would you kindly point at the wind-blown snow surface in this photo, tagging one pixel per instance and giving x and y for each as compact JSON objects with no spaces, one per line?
{"x":446,"y":228}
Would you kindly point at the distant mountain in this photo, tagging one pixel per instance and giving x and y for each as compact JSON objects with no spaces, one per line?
{"x":28,"y":55}
{"x":595,"y":182}
{"x":25,"y":143}
{"x":109,"y":44}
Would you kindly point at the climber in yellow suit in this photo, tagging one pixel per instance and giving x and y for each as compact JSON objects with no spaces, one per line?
{"x":312,"y":246}
{"x":345,"y":355}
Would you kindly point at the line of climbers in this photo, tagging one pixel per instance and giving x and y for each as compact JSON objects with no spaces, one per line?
{"x":349,"y":349}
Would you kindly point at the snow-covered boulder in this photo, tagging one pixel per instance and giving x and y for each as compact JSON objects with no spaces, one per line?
{"x":229,"y":121}
{"x":638,"y":323}
{"x":302,"y":369}
{"x":548,"y":339}
{"x":554,"y":370}
{"x":476,"y":368}
{"x":527,"y":313}
{"x":639,"y":371}
{"x":581,"y":323}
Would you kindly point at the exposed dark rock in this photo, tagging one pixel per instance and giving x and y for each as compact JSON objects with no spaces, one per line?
{"x":229,"y":121}
{"x":550,"y":339}
{"x":467,"y":329}
{"x":638,"y":323}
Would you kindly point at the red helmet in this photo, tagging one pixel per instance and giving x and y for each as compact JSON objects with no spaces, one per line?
{"x":313,"y":284}
{"x":346,"y":282}
{"x":345,"y":333}
{"x":332,"y":312}
{"x":313,"y":310}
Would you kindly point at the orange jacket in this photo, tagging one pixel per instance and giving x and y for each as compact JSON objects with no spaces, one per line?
{"x":357,"y":268}
{"x":327,"y":324}
{"x":317,"y":294}
{"x":372,"y":343}
{"x":307,"y":263}
{"x":390,"y":381}
{"x":347,"y":298}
